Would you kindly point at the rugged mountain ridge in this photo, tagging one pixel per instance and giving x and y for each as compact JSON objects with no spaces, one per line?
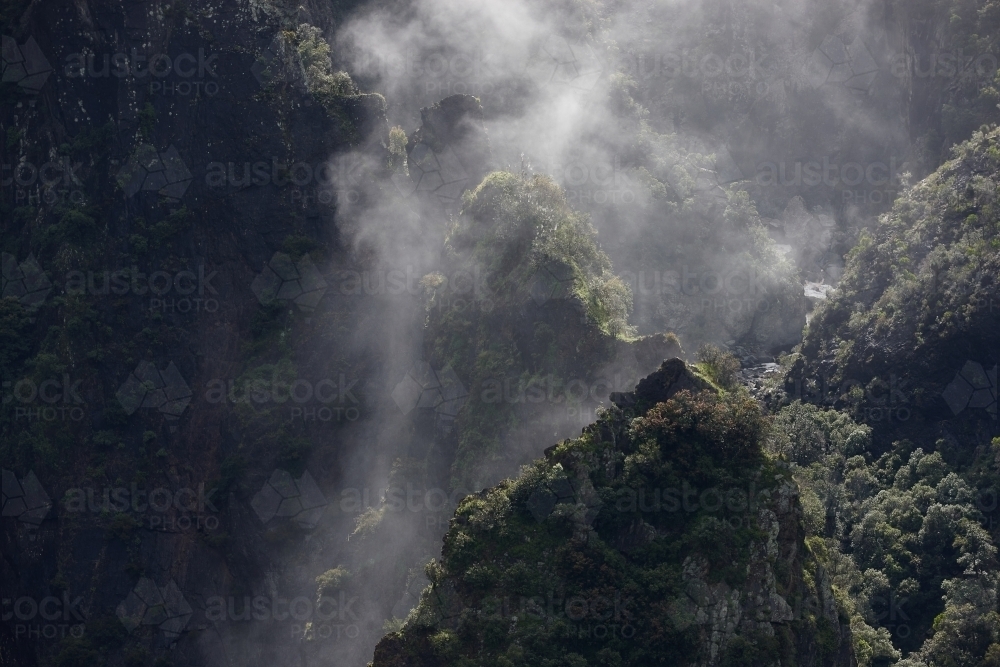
{"x":906,"y":346}
{"x":575,"y":562}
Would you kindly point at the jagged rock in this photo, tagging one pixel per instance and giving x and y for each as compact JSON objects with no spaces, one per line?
{"x":672,"y":376}
{"x":453,"y":144}
{"x":638,"y":535}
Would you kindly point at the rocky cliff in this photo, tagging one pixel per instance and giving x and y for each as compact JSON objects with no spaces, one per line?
{"x":661,"y":535}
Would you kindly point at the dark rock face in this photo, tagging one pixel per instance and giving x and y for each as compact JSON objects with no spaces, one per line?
{"x":672,"y":377}
{"x":453,"y":139}
{"x":456,"y":122}
{"x":181,"y":176}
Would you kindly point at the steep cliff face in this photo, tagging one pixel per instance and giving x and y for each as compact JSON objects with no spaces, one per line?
{"x":661,"y":535}
{"x":173,"y":242}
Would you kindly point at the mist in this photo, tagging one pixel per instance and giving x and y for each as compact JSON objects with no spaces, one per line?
{"x":604,"y":101}
{"x":448,"y":241}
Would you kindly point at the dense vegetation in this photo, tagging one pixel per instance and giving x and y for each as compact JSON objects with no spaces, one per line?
{"x":519,"y":233}
{"x":626,"y":545}
{"x":904,"y":536}
{"x":917,"y":302}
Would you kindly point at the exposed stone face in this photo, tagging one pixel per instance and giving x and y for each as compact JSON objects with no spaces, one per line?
{"x":756,"y":608}
{"x":452,"y":140}
{"x":672,"y":377}
{"x":145,"y":155}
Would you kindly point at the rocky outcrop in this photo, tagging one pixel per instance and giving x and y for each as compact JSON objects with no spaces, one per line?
{"x":450,"y":151}
{"x":672,"y":377}
{"x":456,"y":122}
{"x":586,"y":555}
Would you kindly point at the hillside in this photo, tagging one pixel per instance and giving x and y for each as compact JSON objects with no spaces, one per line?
{"x":662,"y":535}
